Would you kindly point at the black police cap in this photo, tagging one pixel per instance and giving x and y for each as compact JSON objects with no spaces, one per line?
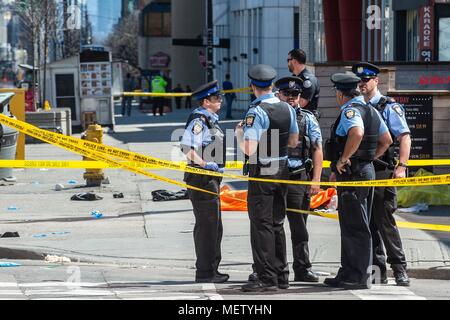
{"x":262,"y":75}
{"x":206,"y":90}
{"x":289,"y":83}
{"x":345,"y":81}
{"x":365,"y":70}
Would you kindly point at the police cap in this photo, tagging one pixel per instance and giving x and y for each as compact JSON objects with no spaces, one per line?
{"x":365,"y":70}
{"x":262,"y":75}
{"x":345,"y":81}
{"x":206,"y":90}
{"x":289,"y":83}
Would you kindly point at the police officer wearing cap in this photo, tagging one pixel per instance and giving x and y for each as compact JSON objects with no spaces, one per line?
{"x":203,"y":142}
{"x":383,"y":226}
{"x":309,"y":98}
{"x":305,"y":163}
{"x":358,"y":136}
{"x":269,"y":129}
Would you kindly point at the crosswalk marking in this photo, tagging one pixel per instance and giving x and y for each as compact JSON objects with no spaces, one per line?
{"x":387,"y":292}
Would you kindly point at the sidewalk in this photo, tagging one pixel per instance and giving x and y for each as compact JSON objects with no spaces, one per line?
{"x":135,"y":231}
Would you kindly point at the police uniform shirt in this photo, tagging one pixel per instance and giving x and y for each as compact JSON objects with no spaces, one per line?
{"x":197,"y":133}
{"x":310,"y":86}
{"x":313,"y":132}
{"x":351,"y":117}
{"x":257,"y":121}
{"x":393,"y":115}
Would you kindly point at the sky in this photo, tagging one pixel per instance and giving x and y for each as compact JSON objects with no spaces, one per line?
{"x":103,"y":14}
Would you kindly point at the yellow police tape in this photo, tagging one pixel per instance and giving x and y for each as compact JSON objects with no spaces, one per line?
{"x":79,"y":164}
{"x":87,"y":146}
{"x":178,"y":95}
{"x":67,"y":143}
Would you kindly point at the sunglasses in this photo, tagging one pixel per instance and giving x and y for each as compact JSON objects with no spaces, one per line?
{"x":290,"y":93}
{"x":365,"y":80}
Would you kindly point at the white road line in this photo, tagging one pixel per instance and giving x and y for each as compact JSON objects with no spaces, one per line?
{"x":387,"y":292}
{"x":68,"y":293}
{"x":211,"y":287}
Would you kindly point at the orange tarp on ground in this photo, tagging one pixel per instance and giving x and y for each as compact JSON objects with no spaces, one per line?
{"x":231,"y":200}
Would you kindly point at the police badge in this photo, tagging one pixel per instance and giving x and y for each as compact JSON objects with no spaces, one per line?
{"x":307,"y":84}
{"x":197,"y":128}
{"x":360,"y":70}
{"x":292,"y":84}
{"x":350,"y":114}
{"x":249,"y":120}
{"x":398,"y":110}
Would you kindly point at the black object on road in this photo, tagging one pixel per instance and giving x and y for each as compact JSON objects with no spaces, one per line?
{"x":86,"y":197}
{"x":10,"y":235}
{"x":164,"y":195}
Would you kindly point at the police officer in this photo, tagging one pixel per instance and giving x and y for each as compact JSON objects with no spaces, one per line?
{"x":309,"y":98}
{"x":383,"y":226}
{"x":305,"y":163}
{"x":203,"y":143}
{"x":270,"y":127}
{"x":358,"y":136}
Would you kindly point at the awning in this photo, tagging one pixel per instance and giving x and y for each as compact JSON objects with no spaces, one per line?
{"x":398,"y":5}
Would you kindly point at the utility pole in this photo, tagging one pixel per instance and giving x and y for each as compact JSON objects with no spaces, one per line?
{"x":210,"y":41}
{"x":44,"y":84}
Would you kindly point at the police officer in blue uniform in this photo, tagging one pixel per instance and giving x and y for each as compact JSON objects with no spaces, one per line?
{"x":309,"y":98}
{"x":383,"y":226}
{"x":204,"y":145}
{"x":269,"y":129}
{"x":305,"y":163}
{"x":358,"y":136}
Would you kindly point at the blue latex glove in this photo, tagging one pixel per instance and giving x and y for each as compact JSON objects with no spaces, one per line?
{"x":211,"y":166}
{"x":295,"y":163}
{"x":221,"y":170}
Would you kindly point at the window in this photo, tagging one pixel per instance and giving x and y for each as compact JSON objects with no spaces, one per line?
{"x":157,"y":20}
{"x":412,"y":35}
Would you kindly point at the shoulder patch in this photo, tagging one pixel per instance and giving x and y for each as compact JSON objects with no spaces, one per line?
{"x":307,"y":84}
{"x":350,"y":114}
{"x":250,"y":120}
{"x":398,"y":110}
{"x":198,"y":127}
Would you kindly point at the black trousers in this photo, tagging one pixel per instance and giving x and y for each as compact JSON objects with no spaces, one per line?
{"x":298,"y":198}
{"x":354,"y":220}
{"x":267,"y":211}
{"x":158,"y":105}
{"x":208,"y":228}
{"x":384,"y":228}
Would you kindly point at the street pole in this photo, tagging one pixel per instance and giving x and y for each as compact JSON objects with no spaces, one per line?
{"x":210,"y":41}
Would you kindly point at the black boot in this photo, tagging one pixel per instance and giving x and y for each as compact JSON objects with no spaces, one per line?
{"x":306,"y":276}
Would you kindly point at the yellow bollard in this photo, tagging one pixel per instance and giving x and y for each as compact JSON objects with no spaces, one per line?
{"x":93,"y":177}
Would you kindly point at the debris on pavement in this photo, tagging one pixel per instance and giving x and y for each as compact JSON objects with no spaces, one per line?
{"x":96,"y":214}
{"x":118,"y":195}
{"x":45,"y":235}
{"x":9,"y":265}
{"x":164,"y":195}
{"x":57,"y":259}
{"x":420,"y":207}
{"x":59,"y":187}
{"x":12,"y":208}
{"x":10,"y":235}
{"x":86,"y":197}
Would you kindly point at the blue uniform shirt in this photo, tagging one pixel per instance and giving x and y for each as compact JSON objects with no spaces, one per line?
{"x":393,"y":115}
{"x":197,"y":133}
{"x":261,"y":122}
{"x":313,"y":132}
{"x":351,"y":117}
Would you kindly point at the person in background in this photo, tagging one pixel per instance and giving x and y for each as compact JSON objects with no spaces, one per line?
{"x":128,"y":86}
{"x":178,"y":100}
{"x":229,"y":97}
{"x":188,"y":103}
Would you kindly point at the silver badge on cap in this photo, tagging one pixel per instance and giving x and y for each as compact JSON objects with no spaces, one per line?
{"x":292,"y":84}
{"x":360,"y":69}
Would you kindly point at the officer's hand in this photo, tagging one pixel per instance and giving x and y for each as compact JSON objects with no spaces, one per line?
{"x":340,"y":167}
{"x":211,"y":166}
{"x":240,"y":126}
{"x":400,"y":173}
{"x":313,"y":190}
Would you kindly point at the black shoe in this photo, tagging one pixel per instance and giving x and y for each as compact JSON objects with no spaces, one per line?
{"x":382,"y":280}
{"x":402,"y":279}
{"x":223,"y":275}
{"x":353,"y":285}
{"x":307,"y":276}
{"x":215,"y":279}
{"x":283,"y":285}
{"x":253,"y":277}
{"x":333,"y":282}
{"x":258,"y":286}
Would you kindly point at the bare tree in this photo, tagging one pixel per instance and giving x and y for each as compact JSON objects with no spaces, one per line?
{"x":39,"y":20}
{"x":123,"y":40}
